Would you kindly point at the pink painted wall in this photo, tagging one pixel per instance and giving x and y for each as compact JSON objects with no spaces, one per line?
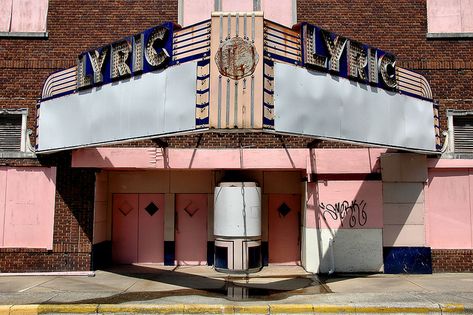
{"x":100,"y":207}
{"x":362,"y":161}
{"x":361,"y":200}
{"x":125,"y":228}
{"x":283,"y":239}
{"x":191,"y":229}
{"x":450,"y":16}
{"x":137,"y":236}
{"x":321,"y":161}
{"x":29,"y":16}
{"x":449,"y":163}
{"x":278,"y":11}
{"x":237,"y":5}
{"x":449,"y":209}
{"x":151,"y":229}
{"x":3,"y":190}
{"x":27,"y":207}
{"x":199,"y":10}
{"x":195,"y":11}
{"x":5,"y":15}
{"x":467,"y":16}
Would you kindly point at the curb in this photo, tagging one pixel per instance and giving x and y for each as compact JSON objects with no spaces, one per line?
{"x":227,"y":309}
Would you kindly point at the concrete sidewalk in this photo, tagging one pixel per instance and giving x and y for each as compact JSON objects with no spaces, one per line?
{"x":201,"y":290}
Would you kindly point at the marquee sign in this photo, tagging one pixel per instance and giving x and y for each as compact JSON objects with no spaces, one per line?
{"x":347,"y":58}
{"x":237,"y":71}
{"x":141,"y":53}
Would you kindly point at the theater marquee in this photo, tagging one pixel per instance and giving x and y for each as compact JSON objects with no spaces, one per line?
{"x":237,"y":71}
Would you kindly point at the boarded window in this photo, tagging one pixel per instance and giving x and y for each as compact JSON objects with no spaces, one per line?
{"x":450,"y":16}
{"x":10,"y":132}
{"x":27,"y":196}
{"x":463,"y":133}
{"x":23,"y":16}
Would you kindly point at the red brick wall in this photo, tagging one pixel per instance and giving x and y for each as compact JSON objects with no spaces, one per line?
{"x":452,"y":260}
{"x":237,"y":140}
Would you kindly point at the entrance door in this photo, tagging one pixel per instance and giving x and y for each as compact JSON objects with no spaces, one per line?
{"x":284,"y":221}
{"x":125,"y":228}
{"x":138,"y":228}
{"x":191,"y":229}
{"x":151,"y":228}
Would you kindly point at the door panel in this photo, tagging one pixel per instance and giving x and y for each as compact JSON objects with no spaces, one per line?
{"x":125,"y":228}
{"x":151,"y":228}
{"x":284,"y":222}
{"x":191,"y":229}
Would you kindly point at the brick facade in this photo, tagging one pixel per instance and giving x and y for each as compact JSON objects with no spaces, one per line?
{"x":452,"y":260}
{"x":76,"y":26}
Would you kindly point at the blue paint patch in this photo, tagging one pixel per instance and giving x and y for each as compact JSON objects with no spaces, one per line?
{"x":265,"y":253}
{"x":221,"y":257}
{"x":210,"y":253}
{"x":416,"y":260}
{"x":101,"y":255}
{"x":169,"y":253}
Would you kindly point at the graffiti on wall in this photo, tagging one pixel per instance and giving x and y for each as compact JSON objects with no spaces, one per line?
{"x":353,"y":212}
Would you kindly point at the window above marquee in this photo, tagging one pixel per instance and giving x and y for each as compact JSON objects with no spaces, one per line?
{"x":194,"y":11}
{"x":23,"y":18}
{"x":449,"y":19}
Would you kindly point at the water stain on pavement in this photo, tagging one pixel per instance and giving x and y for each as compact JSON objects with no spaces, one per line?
{"x":231,"y":288}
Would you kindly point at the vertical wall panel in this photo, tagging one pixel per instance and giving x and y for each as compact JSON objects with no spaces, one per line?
{"x":282,"y":182}
{"x":125,"y":228}
{"x":29,"y":207}
{"x":236,"y":103}
{"x":191,"y":182}
{"x":29,"y":15}
{"x":5,"y":15}
{"x":3,"y":185}
{"x":450,"y":16}
{"x":284,"y":235}
{"x":237,"y":5}
{"x":151,"y":228}
{"x":100,"y":207}
{"x":355,"y":248}
{"x":280,"y":11}
{"x":467,"y":15}
{"x":194,"y":11}
{"x":191,"y":229}
{"x":449,"y":209}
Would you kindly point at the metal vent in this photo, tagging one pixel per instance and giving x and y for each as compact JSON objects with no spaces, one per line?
{"x":10,"y":132}
{"x":463,"y":133}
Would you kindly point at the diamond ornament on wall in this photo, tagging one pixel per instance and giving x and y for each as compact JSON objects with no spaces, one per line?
{"x":125,"y":208}
{"x":283,"y":209}
{"x":151,"y":208}
{"x":190,"y":209}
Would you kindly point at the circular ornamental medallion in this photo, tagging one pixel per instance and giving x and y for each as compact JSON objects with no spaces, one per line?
{"x":236,"y":58}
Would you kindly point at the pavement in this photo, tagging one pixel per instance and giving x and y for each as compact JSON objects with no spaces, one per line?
{"x":151,"y":289}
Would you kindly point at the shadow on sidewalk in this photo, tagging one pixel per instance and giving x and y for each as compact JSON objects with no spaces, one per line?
{"x":230,"y":287}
